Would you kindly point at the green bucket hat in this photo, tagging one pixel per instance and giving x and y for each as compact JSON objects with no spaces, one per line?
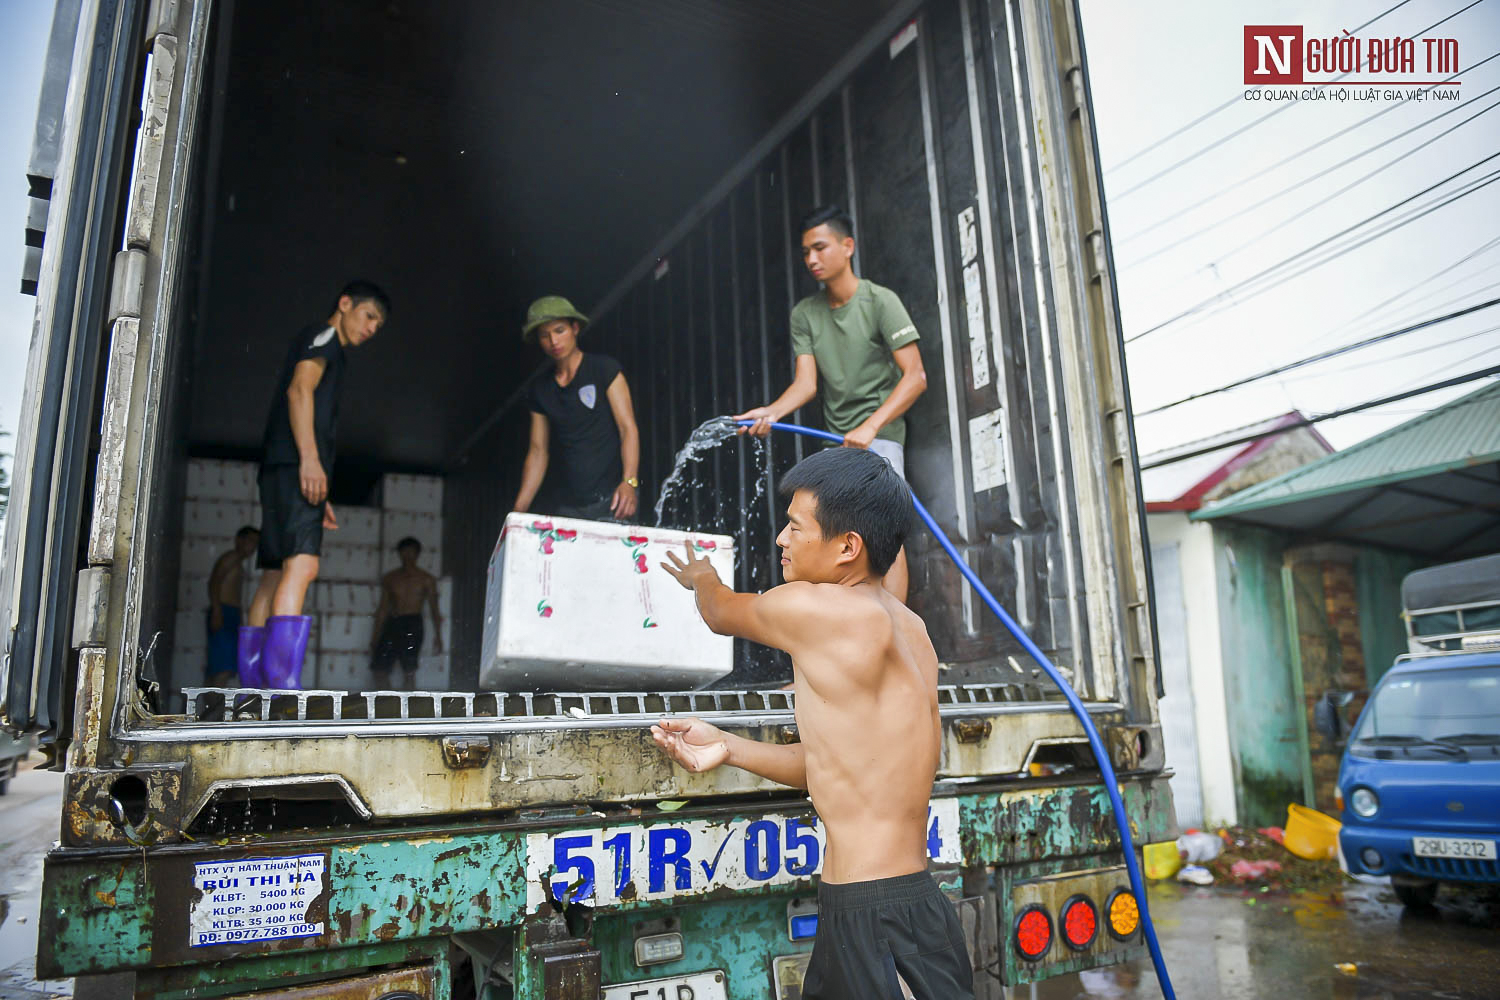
{"x":548,"y":308}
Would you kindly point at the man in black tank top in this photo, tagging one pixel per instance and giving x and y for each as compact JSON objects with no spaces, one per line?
{"x":297,"y":453}
{"x":581,"y":412}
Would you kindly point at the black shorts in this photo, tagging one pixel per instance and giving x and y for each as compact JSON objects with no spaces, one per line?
{"x":871,"y":933}
{"x":400,"y":640}
{"x":289,"y":525}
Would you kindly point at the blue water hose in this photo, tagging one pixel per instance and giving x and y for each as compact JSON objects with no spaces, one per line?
{"x":1106,"y":770}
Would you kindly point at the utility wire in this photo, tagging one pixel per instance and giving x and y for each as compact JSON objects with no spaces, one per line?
{"x":1273,"y":113}
{"x":1333,"y":253}
{"x":1321,"y":356}
{"x":1424,"y":283}
{"x":1226,"y":105}
{"x":1166,"y":247}
{"x":1424,"y":349}
{"x":1306,"y":251}
{"x":1178,"y":456}
{"x":1326,"y":141}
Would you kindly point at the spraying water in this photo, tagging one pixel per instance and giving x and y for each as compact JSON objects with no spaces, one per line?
{"x":707,"y":435}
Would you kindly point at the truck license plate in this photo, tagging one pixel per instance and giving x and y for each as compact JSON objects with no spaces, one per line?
{"x":1453,"y":847}
{"x":698,"y":986}
{"x":674,"y":860}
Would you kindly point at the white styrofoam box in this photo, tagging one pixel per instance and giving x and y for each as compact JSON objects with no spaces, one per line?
{"x":357,"y":526}
{"x":191,"y":630}
{"x":425,"y":528}
{"x":411,"y":493}
{"x":192,"y":592}
{"x":347,"y":597}
{"x":342,"y":672}
{"x":360,"y":563}
{"x":345,"y":633}
{"x":577,"y":605}
{"x":211,"y":479}
{"x":200,"y":554}
{"x":432,"y":673}
{"x":220,"y":519}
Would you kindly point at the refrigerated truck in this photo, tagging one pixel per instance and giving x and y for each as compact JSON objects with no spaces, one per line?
{"x":206,"y":172}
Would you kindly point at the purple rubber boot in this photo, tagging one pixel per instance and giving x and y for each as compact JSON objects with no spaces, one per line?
{"x":252,"y":641}
{"x":286,"y":645}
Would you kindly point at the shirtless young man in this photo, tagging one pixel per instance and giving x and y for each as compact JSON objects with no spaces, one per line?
{"x":861,"y":661}
{"x":398,"y":619}
{"x":226,"y":586}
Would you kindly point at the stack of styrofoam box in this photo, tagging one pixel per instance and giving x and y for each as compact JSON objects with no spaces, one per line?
{"x":222,"y":497}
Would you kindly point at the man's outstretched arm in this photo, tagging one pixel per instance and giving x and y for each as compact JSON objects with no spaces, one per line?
{"x":781,"y":617}
{"x":699,"y":746}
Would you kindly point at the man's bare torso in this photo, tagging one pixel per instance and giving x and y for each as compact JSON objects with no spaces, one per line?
{"x":408,"y":588}
{"x":870,"y":733}
{"x":230,"y":572}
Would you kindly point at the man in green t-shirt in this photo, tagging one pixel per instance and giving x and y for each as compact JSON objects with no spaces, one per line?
{"x":855,"y":341}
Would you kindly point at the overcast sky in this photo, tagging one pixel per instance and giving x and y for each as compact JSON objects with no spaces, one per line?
{"x":1156,"y":65}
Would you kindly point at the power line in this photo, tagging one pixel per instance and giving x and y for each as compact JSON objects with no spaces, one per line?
{"x":1245,"y":128}
{"x":1424,"y":349}
{"x":1321,"y":356}
{"x":1288,"y":261}
{"x":1166,"y":247}
{"x":1483,"y":248}
{"x":1177,"y":456}
{"x":1236,"y":185}
{"x":1226,"y":105}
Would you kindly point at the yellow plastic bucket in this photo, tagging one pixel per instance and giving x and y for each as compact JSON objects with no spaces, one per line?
{"x":1311,"y":834}
{"x":1162,"y":860}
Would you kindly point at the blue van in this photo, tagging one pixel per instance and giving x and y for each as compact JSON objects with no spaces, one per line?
{"x":1419,"y":786}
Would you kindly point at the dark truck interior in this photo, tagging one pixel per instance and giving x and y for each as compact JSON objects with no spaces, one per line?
{"x":471,"y":157}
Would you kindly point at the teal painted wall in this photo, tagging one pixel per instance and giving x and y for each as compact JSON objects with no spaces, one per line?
{"x":1377,"y":581}
{"x":1262,"y":706}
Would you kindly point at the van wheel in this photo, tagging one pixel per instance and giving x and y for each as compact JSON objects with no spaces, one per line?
{"x":1418,"y":896}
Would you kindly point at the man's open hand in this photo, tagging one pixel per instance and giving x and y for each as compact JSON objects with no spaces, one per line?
{"x":314,"y":481}
{"x":691,"y":571}
{"x":693,"y":743}
{"x":330,"y":523}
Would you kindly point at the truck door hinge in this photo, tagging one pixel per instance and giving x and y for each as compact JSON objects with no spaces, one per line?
{"x":90,"y":607}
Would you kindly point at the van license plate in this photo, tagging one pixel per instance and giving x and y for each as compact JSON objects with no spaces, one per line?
{"x":1453,"y":847}
{"x":698,"y":986}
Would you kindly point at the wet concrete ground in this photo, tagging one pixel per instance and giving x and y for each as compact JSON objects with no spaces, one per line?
{"x":1219,"y":943}
{"x":29,"y":815}
{"x":1234,"y":945}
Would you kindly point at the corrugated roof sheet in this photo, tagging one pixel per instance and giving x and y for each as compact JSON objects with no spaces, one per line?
{"x":1464,"y":433}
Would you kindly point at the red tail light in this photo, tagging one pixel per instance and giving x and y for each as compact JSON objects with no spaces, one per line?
{"x":1080,"y":922}
{"x":1033,"y":932}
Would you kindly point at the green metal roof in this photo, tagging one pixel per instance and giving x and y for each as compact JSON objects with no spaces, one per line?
{"x":1428,"y":485}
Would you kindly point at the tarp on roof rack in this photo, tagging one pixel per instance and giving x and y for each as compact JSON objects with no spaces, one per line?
{"x":1473,"y":581}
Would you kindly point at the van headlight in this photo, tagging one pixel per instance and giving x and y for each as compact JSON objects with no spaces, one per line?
{"x":1364,"y":802}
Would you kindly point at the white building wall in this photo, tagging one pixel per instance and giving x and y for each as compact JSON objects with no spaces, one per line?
{"x":1195,"y":550}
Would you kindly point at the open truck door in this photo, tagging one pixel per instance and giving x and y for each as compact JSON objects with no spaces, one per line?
{"x":52,"y":578}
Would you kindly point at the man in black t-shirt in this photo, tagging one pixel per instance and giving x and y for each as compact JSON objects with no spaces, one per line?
{"x":583,"y":407}
{"x":297,"y":454}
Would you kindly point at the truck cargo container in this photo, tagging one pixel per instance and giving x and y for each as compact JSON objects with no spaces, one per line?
{"x":207,"y":172}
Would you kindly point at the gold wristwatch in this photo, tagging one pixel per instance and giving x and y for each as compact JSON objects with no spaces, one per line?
{"x":633,"y":483}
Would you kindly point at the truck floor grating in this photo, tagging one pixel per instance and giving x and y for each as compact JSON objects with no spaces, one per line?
{"x":235,"y":705}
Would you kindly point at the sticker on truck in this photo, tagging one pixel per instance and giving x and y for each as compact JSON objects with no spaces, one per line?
{"x":672,"y":860}
{"x":257,"y":899}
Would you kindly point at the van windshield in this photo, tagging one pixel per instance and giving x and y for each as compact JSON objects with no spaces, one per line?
{"x":1460,"y":705}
